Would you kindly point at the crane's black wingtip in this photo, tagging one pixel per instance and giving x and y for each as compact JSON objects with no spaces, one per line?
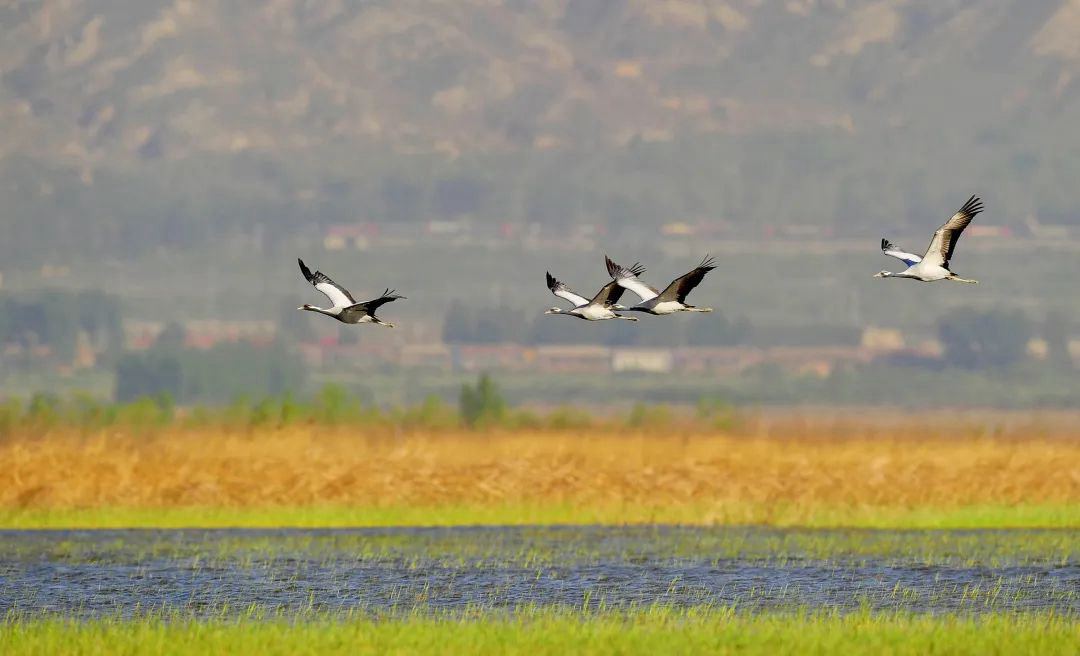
{"x":612,"y":268}
{"x":973,"y":205}
{"x":615,"y":270}
{"x":304,"y":269}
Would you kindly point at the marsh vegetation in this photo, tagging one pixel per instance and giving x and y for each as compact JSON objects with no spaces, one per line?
{"x":715,"y":530}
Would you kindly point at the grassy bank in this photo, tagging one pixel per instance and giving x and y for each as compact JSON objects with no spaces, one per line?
{"x":1023,"y":516}
{"x":651,"y":631}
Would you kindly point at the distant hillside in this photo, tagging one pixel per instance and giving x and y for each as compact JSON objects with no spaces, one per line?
{"x":128,"y":125}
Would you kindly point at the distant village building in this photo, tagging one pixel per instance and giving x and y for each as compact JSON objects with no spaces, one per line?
{"x":200,"y":334}
{"x":53,"y":271}
{"x":929,"y":348}
{"x":358,"y":356}
{"x":800,"y":231}
{"x":350,"y":236}
{"x":628,"y":69}
{"x":596,"y":359}
{"x":426,"y":356}
{"x":449,"y":228}
{"x":717,"y":359}
{"x":141,"y":335}
{"x":85,"y":354}
{"x":573,"y":359}
{"x":993,"y":231}
{"x":1074,"y":349}
{"x":678,"y":230}
{"x":816,"y":360}
{"x":484,"y":357}
{"x":207,"y":333}
{"x":648,"y":360}
{"x":882,"y":340}
{"x":1047,"y":231}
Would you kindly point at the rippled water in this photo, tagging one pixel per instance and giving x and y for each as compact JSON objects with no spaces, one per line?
{"x":90,"y":573}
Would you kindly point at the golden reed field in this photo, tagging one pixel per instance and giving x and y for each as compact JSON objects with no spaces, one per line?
{"x":782,"y":468}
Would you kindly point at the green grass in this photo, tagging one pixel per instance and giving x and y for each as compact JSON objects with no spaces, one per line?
{"x":659,"y":630}
{"x":1025,"y":516}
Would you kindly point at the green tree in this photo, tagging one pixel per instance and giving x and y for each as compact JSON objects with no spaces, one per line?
{"x":54,"y":318}
{"x":458,"y":326}
{"x":101,"y":317}
{"x":294,"y":325}
{"x":141,"y":375}
{"x":333,"y":404}
{"x":226,"y":371}
{"x":974,"y":339}
{"x":172,"y":336}
{"x":482,"y":403}
{"x":348,"y":335}
{"x":402,"y":199}
{"x":1056,"y":331}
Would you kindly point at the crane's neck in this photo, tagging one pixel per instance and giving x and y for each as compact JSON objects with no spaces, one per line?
{"x":315,"y":308}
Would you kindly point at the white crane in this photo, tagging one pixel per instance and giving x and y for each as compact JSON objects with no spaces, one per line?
{"x":669,"y":301}
{"x":345,"y":308}
{"x":934,"y":264}
{"x":600,"y":307}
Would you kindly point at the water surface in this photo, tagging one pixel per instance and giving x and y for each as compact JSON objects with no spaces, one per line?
{"x":88,"y":573}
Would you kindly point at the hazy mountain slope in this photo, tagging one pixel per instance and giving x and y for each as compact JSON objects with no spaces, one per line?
{"x":205,"y":115}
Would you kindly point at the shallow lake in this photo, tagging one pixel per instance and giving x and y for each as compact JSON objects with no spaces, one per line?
{"x":89,"y":573}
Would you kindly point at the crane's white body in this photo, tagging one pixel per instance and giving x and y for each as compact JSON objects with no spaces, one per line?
{"x":653,"y":301}
{"x":590,"y":313}
{"x":343,"y":306}
{"x":601,"y":307}
{"x":934,"y":264}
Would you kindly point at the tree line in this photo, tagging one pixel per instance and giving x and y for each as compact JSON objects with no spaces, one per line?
{"x":55,"y":318}
{"x":223,"y":372}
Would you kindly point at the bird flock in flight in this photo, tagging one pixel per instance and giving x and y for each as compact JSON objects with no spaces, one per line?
{"x":931,"y":266}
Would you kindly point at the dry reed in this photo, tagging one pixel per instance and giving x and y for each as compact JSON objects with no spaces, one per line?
{"x":787,"y":462}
